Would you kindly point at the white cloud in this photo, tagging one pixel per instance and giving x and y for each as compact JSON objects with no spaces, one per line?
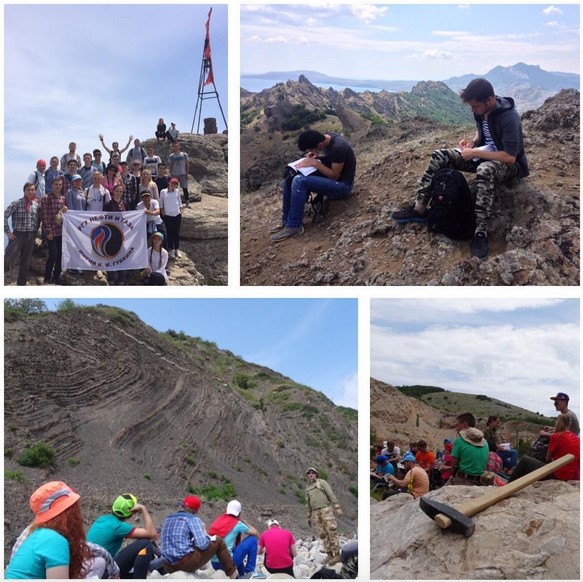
{"x":437,"y":54}
{"x":348,"y":390}
{"x":552,"y":10}
{"x":254,"y":38}
{"x":553,"y":24}
{"x":279,"y":39}
{"x":368,"y":12}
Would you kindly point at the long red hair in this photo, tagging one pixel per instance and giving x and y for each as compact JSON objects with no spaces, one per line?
{"x":69,"y":524}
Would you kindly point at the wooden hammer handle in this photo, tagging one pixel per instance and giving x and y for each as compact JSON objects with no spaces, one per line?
{"x":478,"y":504}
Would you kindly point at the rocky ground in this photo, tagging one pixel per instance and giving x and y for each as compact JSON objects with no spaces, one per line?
{"x":533,"y":535}
{"x":534,"y":234}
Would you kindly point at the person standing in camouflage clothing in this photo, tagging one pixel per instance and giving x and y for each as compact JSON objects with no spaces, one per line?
{"x":495,"y":154}
{"x":322,"y":503}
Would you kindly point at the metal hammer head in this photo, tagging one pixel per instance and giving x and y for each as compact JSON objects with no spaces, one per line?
{"x":447,"y":517}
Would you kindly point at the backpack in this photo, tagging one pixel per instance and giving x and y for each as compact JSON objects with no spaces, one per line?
{"x":451,"y":205}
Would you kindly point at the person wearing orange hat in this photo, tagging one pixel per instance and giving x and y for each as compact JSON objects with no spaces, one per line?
{"x":55,"y":547}
{"x":186,"y":545}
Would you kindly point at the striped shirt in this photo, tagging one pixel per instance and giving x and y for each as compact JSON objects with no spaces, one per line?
{"x":23,"y":220}
{"x":182,"y":533}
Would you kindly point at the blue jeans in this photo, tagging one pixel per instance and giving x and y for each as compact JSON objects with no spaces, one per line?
{"x":510,"y":458}
{"x":246,"y":549}
{"x":294,"y":197}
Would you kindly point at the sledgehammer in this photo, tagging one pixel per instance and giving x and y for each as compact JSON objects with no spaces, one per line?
{"x":458,"y":519}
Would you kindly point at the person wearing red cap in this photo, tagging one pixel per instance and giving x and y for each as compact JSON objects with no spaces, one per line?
{"x":55,"y":547}
{"x":186,"y":546}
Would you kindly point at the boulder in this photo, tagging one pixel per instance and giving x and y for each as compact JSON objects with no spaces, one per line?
{"x":532,"y":535}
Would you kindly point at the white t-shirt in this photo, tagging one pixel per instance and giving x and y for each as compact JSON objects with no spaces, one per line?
{"x":170,"y":202}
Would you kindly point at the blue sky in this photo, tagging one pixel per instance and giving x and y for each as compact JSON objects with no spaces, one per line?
{"x":519,"y":351}
{"x":312,"y":341}
{"x":75,"y":71}
{"x":408,"y":41}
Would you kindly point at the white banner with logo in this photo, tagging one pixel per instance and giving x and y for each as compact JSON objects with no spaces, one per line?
{"x":104,"y":241}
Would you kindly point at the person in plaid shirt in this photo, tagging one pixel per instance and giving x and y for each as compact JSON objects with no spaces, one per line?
{"x":186,"y":546}
{"x":53,"y":231}
{"x":25,"y":215}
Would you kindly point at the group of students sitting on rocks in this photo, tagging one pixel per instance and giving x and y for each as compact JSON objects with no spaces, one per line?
{"x":475,"y":457}
{"x":55,"y":545}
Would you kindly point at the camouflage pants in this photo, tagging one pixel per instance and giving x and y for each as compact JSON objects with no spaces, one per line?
{"x":325,"y":523}
{"x":488,"y":174}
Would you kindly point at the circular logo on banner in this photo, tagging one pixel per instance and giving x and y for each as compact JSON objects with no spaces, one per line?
{"x":106,"y":240}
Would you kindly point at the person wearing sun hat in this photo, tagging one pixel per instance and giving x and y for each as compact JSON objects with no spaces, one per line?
{"x":109,"y":531}
{"x":321,"y":504}
{"x":469,"y":454}
{"x":186,"y":545}
{"x":55,"y":546}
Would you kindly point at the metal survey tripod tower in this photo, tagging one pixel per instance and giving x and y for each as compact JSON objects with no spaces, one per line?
{"x":205,"y":81}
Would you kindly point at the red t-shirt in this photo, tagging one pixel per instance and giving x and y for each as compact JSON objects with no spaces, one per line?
{"x":425,"y":459}
{"x":277,"y":542}
{"x":560,"y":444}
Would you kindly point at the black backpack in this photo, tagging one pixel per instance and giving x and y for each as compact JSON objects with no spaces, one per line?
{"x":451,"y":205}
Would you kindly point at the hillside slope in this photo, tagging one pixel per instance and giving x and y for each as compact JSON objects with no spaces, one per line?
{"x":129,"y":409}
{"x":534,"y":231}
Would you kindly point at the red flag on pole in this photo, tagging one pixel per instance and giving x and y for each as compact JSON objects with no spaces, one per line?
{"x":206,"y":54}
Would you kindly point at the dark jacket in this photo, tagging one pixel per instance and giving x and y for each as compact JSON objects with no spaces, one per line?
{"x":506,"y":130}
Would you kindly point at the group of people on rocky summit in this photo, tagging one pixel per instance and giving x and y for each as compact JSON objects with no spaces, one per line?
{"x":476,"y":457}
{"x":141,"y":182}
{"x":495,"y":154}
{"x":55,"y":544}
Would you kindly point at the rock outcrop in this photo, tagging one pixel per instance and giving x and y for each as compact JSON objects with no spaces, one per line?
{"x":534,"y":231}
{"x":533,"y":535}
{"x":159,"y":414}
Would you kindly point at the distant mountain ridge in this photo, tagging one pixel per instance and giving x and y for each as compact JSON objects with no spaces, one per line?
{"x":529,"y":85}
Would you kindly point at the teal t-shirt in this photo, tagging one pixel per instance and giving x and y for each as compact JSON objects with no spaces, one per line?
{"x":44,"y":548}
{"x":231,"y":537}
{"x":471,"y":460}
{"x":109,"y":532}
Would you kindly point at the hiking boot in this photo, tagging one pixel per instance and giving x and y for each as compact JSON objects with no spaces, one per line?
{"x":276,"y":228}
{"x":409,"y":215}
{"x":287,"y":232}
{"x":333,"y":560}
{"x":479,"y":246}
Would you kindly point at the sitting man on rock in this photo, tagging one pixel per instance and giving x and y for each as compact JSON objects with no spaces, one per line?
{"x":333,"y":176}
{"x":392,"y":452}
{"x":424,"y":457}
{"x":415,"y":482}
{"x":382,"y":469}
{"x":280,"y":549}
{"x":186,"y":546}
{"x":231,"y":528}
{"x":469,"y":455}
{"x":110,"y":531}
{"x":495,"y":154}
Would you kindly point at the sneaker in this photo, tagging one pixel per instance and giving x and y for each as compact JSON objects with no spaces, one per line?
{"x":276,"y":227}
{"x":479,"y":245}
{"x":287,"y":232}
{"x":409,"y":215}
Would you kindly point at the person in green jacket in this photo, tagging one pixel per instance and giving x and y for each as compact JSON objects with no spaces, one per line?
{"x":322,"y":503}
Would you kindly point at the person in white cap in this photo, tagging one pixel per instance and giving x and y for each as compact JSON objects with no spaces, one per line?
{"x":279,"y":546}
{"x":320,"y":500}
{"x":232,"y":528}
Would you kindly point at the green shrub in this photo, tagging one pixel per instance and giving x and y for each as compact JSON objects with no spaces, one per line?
{"x":73,"y":462}
{"x":15,"y":309}
{"x":244,"y":381}
{"x":66,"y":305}
{"x":40,"y":455}
{"x":14,"y":476}
{"x":216,"y":492}
{"x":353,"y":489}
{"x":190,"y":461}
